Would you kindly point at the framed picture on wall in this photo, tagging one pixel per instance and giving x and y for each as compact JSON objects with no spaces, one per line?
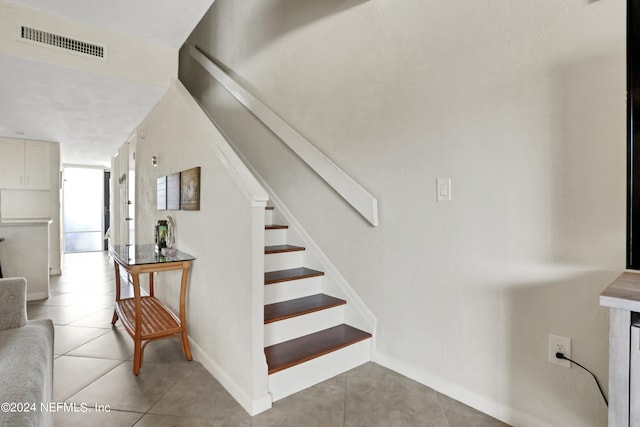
{"x":161,"y":193}
{"x":190,"y":189}
{"x":173,"y":191}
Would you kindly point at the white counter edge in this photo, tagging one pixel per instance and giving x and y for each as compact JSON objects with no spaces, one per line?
{"x":620,"y":303}
{"x":25,"y":221}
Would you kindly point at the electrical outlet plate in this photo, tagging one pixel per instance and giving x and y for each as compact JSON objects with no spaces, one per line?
{"x":562,"y":345}
{"x":443,"y":189}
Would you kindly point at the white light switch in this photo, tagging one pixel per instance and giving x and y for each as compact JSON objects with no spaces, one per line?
{"x":443,"y":189}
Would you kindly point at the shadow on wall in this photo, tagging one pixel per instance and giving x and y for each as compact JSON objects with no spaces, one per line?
{"x":565,"y":304}
{"x":267,"y":21}
{"x":588,"y":122}
{"x":587,"y":184}
{"x":277,"y":17}
{"x":271,"y":19}
{"x":244,"y":130}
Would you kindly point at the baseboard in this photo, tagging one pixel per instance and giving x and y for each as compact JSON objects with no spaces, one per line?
{"x":37,"y":296}
{"x":490,"y":407}
{"x":252,"y":406}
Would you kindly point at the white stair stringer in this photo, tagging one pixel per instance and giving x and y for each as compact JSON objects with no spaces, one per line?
{"x":297,"y":378}
{"x":288,"y":329}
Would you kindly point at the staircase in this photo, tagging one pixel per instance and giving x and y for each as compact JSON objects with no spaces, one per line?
{"x":305,"y":336}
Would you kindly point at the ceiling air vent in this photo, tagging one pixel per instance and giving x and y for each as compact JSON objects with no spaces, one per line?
{"x":62,"y":42}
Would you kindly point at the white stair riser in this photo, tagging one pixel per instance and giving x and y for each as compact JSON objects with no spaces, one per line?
{"x":283,"y":261}
{"x":292,"y":289}
{"x":268,"y":216}
{"x":285,"y":330}
{"x":304,"y":375}
{"x":275,"y":237}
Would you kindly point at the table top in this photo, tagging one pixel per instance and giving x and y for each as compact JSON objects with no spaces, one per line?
{"x":623,"y":293}
{"x":145,"y":254}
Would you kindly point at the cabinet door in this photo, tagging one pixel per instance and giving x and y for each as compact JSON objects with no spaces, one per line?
{"x":36,"y":165}
{"x":634,"y":379}
{"x":12,"y":164}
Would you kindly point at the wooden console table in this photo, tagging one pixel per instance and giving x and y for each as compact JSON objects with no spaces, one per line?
{"x":156,"y":321}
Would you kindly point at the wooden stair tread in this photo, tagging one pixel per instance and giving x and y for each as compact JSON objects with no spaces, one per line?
{"x":268,"y":208}
{"x":276,"y":249}
{"x":290,"y":353}
{"x":299,"y":306}
{"x":272,"y":277}
{"x":275,"y":227}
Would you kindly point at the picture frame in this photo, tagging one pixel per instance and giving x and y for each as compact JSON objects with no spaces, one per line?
{"x":161,"y":193}
{"x":173,"y":191}
{"x":190,"y":189}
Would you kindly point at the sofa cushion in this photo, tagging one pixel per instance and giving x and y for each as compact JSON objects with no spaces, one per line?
{"x":26,"y":372}
{"x":13,"y":303}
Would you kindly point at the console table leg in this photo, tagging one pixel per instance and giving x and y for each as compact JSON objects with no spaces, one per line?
{"x":137,"y":358}
{"x":151,"y":290}
{"x":186,"y":349}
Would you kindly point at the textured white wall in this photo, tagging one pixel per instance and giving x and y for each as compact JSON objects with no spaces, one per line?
{"x":522,"y":104}
{"x":221,"y":299}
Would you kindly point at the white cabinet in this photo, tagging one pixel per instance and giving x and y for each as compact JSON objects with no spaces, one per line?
{"x":623,"y":299}
{"x":12,"y":164}
{"x":24,"y":165}
{"x":29,"y":254}
{"x":36,"y":165}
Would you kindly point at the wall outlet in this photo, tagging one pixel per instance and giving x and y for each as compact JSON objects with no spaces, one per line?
{"x":562,"y":345}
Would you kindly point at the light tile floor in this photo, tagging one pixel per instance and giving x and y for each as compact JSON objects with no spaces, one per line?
{"x":93,"y":366}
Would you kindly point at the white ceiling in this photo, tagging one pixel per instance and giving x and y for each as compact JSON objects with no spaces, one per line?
{"x":166,"y":22}
{"x":90,"y":115}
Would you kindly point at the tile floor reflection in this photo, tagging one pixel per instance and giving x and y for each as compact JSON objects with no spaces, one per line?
{"x":93,"y":364}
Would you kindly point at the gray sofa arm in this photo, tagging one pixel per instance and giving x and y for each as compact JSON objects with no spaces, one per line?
{"x":13,"y":303}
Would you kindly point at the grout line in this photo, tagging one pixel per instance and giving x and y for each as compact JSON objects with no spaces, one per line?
{"x":346,"y":395}
{"x":148,"y":412}
{"x":106,"y":331}
{"x":87,"y":385}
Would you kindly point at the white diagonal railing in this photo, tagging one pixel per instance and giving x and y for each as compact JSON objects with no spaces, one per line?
{"x":361,"y":200}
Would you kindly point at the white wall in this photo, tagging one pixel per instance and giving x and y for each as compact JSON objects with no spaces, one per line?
{"x":226,"y":236}
{"x":522,"y":104}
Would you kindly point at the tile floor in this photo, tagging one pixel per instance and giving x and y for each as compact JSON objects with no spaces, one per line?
{"x":93,"y":366}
